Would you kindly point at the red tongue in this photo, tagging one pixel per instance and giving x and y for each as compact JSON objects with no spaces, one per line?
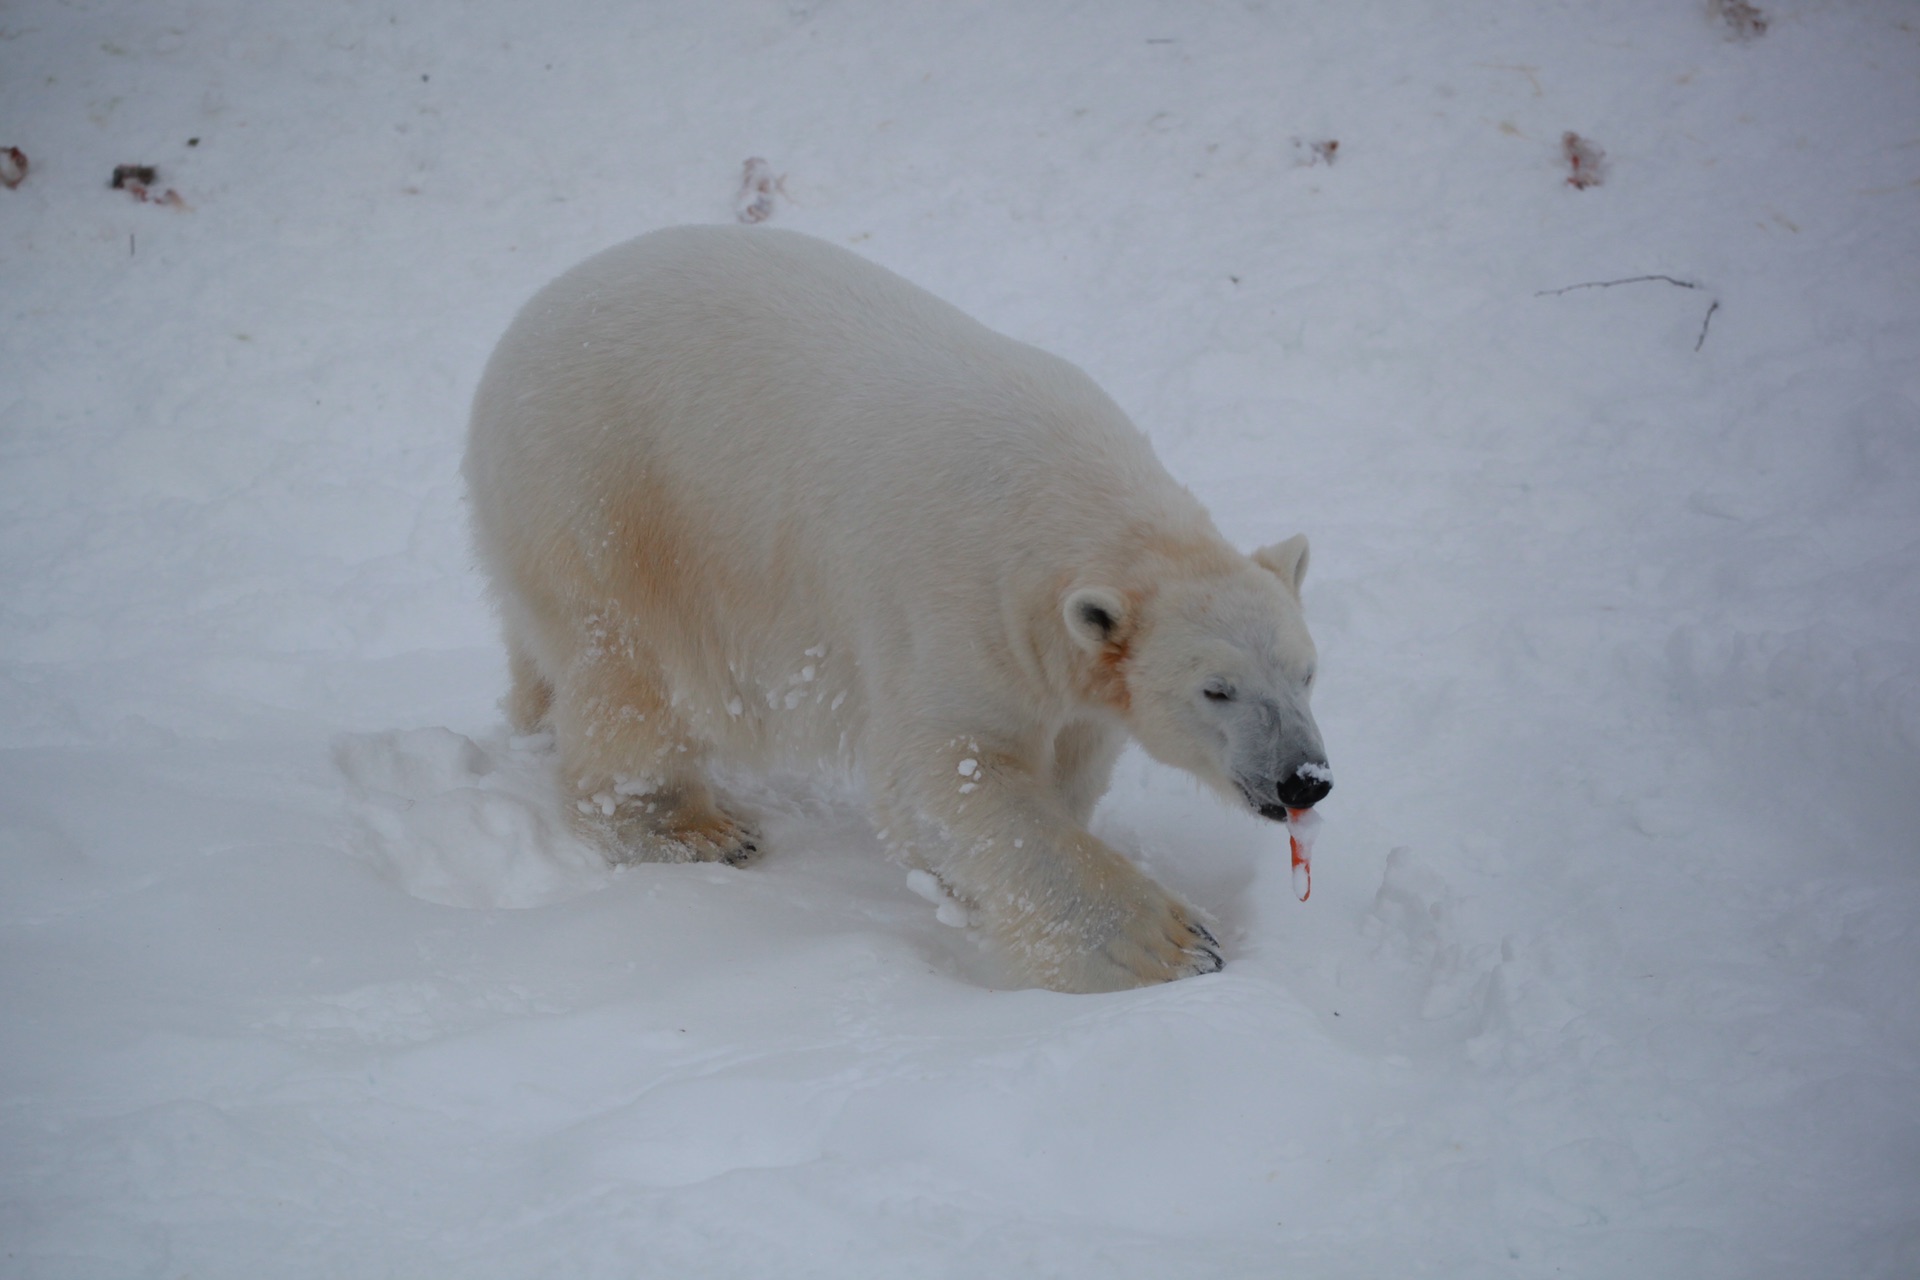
{"x":1301,"y":821}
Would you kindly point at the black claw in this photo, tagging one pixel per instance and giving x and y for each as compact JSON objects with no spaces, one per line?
{"x":1218,"y":963}
{"x":1205,"y":935}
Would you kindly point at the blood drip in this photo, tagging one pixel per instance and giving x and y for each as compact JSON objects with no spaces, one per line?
{"x":1302,"y":825}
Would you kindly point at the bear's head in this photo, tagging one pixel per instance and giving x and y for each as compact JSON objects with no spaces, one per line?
{"x":1212,"y":673}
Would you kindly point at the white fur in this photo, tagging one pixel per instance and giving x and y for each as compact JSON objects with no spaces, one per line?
{"x":743,"y":493}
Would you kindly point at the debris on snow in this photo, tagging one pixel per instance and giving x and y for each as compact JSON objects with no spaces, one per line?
{"x":1608,"y":284}
{"x":1712,"y":306}
{"x":13,"y":167}
{"x":1741,"y":20}
{"x":138,"y":179}
{"x":1705,"y":323}
{"x":1586,"y":163}
{"x":758,"y":186}
{"x":1307,"y":153}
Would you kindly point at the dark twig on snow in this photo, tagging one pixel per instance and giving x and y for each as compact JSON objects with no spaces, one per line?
{"x":1704,"y":323}
{"x":1608,"y":284}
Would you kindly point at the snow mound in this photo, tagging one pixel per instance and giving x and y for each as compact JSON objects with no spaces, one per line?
{"x":461,"y":824}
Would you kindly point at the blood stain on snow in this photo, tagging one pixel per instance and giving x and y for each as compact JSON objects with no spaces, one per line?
{"x":1586,"y":162}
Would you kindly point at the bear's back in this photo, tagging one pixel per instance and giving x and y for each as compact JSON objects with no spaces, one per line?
{"x":816,"y":404}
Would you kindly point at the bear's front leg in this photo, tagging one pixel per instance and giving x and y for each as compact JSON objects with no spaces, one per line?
{"x":1069,"y":912}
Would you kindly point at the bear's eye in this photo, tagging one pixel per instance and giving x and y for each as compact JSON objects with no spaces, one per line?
{"x":1218,"y":691}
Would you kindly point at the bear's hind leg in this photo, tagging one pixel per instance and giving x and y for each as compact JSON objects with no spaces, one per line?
{"x":531,"y":696}
{"x":632,"y":773}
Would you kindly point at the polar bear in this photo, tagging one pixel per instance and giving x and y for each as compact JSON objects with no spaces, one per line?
{"x":745,"y":496}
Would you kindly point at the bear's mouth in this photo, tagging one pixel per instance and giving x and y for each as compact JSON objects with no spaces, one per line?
{"x":1269,"y":806}
{"x":1272,"y":810}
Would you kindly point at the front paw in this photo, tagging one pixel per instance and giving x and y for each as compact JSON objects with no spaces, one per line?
{"x":1132,"y":939}
{"x":1158,"y":940}
{"x":1161,"y":944}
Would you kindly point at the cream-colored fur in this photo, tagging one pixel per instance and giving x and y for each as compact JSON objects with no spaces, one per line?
{"x":745,"y":495}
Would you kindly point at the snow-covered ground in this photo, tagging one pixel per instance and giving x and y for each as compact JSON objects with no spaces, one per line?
{"x":1611,"y":965}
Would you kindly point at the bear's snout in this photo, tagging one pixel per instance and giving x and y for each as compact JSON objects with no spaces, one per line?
{"x":1305,"y":787}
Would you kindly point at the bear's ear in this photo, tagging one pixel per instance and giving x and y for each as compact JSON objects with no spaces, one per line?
{"x":1096,"y":617}
{"x":1286,"y":561}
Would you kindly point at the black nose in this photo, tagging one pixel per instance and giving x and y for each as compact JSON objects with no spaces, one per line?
{"x":1307,"y":787}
